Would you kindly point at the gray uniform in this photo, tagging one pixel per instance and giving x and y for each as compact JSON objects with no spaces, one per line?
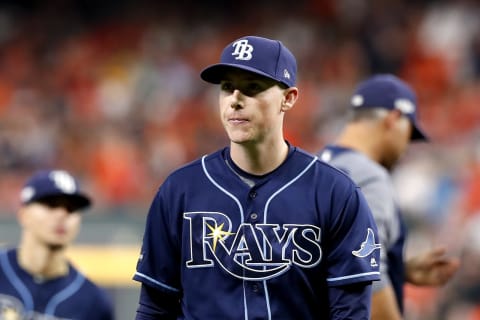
{"x":376,"y":185}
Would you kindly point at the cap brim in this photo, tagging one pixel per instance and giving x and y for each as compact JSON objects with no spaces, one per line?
{"x":78,"y":201}
{"x":216,"y":73}
{"x":418,"y":135}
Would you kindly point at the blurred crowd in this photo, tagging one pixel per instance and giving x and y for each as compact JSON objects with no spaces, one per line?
{"x":110,"y":90}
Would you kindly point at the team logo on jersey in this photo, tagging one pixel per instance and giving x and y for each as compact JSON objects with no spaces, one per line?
{"x":251,"y":252}
{"x":10,"y":308}
{"x":367,"y":246}
{"x":243,"y":50}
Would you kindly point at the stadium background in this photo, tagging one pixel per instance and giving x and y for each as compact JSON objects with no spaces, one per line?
{"x":110,"y":91}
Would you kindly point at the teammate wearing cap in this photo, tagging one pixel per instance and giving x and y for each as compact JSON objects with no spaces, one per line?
{"x":382,"y":123}
{"x":259,"y":229}
{"x":36,"y":279}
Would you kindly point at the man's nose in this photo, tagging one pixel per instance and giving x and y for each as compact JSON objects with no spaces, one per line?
{"x":237,"y":102}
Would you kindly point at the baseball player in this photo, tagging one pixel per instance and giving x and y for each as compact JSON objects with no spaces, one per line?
{"x":382,"y":124}
{"x":36,"y":279}
{"x":259,"y":229}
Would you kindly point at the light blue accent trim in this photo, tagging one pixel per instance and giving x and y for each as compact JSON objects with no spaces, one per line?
{"x":245,"y":309}
{"x":64,"y":294}
{"x":353,"y":276}
{"x":216,"y":184}
{"x":16,"y":282}
{"x":141,"y":275}
{"x":265,"y":212}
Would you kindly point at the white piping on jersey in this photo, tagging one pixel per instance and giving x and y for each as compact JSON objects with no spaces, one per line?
{"x":248,"y":182}
{"x":204,"y":167}
{"x":245,"y":308}
{"x":267,"y":300}
{"x":265,"y":211}
{"x":141,"y":275}
{"x":358,"y":275}
{"x":221,"y":188}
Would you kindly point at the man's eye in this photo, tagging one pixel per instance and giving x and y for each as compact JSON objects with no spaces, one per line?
{"x":71,"y":208}
{"x":226,"y":86}
{"x":253,"y":88}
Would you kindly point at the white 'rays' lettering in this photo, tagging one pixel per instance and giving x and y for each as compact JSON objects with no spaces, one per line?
{"x":240,"y":252}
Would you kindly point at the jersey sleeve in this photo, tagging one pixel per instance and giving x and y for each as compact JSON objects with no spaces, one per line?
{"x":350,"y":301}
{"x":158,"y":265}
{"x":352,"y":249}
{"x":156,"y":304}
{"x":380,"y":197}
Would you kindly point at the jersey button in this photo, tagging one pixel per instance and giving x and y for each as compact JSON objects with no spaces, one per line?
{"x":253,"y":194}
{"x":254,"y":216}
{"x":255,"y":287}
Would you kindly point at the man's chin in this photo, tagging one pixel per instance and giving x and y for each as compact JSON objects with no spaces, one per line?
{"x":56,"y":246}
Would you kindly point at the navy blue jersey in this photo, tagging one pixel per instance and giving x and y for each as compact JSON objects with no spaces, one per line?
{"x":237,"y":246}
{"x":70,"y":297}
{"x":376,"y":185}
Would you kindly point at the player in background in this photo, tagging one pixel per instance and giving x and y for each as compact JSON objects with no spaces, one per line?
{"x":36,"y":279}
{"x":259,"y":229}
{"x":381,"y":126}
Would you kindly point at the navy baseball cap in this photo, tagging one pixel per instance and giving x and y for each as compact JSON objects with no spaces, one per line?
{"x":389,"y":92}
{"x":45,"y":184}
{"x":266,"y":57}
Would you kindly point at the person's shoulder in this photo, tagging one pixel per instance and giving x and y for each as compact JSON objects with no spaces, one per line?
{"x":98,"y":299}
{"x":4,"y":249}
{"x":9,"y":265}
{"x":322,"y":168}
{"x":354,"y":163}
{"x":91,"y":290}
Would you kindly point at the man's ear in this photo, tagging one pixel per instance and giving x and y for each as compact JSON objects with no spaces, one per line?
{"x":290,"y":98}
{"x":392,"y":117}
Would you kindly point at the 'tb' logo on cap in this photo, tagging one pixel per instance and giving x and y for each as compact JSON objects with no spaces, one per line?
{"x":243,"y":50}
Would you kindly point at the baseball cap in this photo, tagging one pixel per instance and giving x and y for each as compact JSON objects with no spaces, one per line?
{"x":389,"y":92}
{"x":266,"y":57}
{"x":50,"y":183}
